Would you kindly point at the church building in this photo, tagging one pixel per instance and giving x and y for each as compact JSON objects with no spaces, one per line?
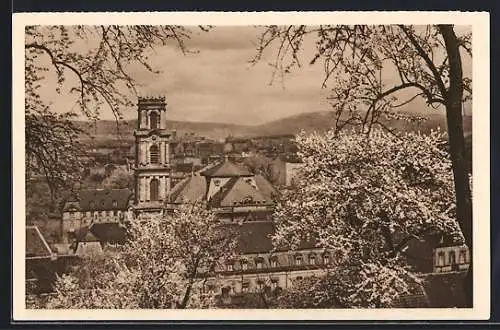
{"x":152,"y":156}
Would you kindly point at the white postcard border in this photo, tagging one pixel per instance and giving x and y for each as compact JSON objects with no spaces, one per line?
{"x":481,"y":162}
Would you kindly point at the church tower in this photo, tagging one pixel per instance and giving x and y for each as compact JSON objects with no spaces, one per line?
{"x":152,"y":156}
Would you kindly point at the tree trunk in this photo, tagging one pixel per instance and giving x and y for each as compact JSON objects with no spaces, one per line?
{"x":457,"y":148}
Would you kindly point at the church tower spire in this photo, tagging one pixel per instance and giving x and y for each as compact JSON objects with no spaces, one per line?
{"x":152,"y":155}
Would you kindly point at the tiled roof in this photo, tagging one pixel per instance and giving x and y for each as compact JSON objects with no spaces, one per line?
{"x":36,"y":246}
{"x":101,"y":199}
{"x":109,"y":232}
{"x":226,"y":169}
{"x":183,"y":167}
{"x":442,"y":290}
{"x":192,"y":188}
{"x":85,"y":235}
{"x":265,"y":187}
{"x":445,"y":290}
{"x":239,"y":191}
{"x":255,"y":237}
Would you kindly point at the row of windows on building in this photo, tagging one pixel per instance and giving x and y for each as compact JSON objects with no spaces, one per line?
{"x":452,"y":260}
{"x":96,"y":214}
{"x":248,"y":285}
{"x":273,"y":262}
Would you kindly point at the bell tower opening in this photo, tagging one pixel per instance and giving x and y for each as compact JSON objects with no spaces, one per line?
{"x":154,"y":190}
{"x":154,"y":120}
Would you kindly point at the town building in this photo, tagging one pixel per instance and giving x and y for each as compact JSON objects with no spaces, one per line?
{"x":94,"y":206}
{"x":284,"y":170}
{"x":244,"y":202}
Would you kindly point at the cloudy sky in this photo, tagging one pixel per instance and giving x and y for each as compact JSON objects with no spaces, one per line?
{"x":219,"y":85}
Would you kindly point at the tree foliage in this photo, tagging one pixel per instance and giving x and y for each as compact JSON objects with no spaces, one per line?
{"x":365,"y":199}
{"x":358,"y":61}
{"x":165,"y":264}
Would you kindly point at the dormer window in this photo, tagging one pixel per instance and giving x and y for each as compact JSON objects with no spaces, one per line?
{"x":462,"y":257}
{"x":440,"y":261}
{"x":115,"y":204}
{"x":259,"y":262}
{"x":244,"y":264}
{"x":216,"y":182}
{"x":312,"y":259}
{"x":274,"y":261}
{"x":452,"y":258}
{"x":326,"y":258}
{"x":298,"y":260}
{"x":245,"y":286}
{"x":92,"y":205}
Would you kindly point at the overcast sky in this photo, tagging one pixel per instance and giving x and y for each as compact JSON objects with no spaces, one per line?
{"x":219,"y":85}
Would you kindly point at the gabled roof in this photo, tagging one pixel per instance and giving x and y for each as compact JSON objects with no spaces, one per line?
{"x":192,"y":188}
{"x":226,"y":169}
{"x":36,"y":245}
{"x":101,"y":199}
{"x":265,"y":187}
{"x":241,"y":193}
{"x":109,"y":232}
{"x":85,"y":235}
{"x":255,"y":237}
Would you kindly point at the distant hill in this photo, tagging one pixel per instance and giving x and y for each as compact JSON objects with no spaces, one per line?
{"x":124,"y":130}
{"x":322,"y":121}
{"x":313,"y":121}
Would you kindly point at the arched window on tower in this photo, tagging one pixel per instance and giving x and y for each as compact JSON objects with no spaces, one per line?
{"x":154,"y":120}
{"x":154,"y":189}
{"x":154,"y":154}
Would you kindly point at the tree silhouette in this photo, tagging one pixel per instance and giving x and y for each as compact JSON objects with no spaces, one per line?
{"x":427,"y":61}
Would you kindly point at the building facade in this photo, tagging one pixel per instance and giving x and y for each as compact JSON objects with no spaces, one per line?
{"x":94,"y":206}
{"x":245,"y":202}
{"x":153,"y":156}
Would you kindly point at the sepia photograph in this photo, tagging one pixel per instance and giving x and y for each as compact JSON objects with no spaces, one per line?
{"x":251,"y":166}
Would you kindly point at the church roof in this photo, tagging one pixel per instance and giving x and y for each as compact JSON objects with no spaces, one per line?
{"x":192,"y":188}
{"x":239,"y":192}
{"x":100,"y":199}
{"x":226,"y":169}
{"x":265,"y":187}
{"x":36,"y":245}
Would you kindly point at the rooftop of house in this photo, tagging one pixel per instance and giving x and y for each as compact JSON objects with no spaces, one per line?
{"x":191,"y":189}
{"x":256,"y":237}
{"x":239,"y":190}
{"x":443,"y":290}
{"x":109,"y":232}
{"x":99,"y":199}
{"x":36,"y":245}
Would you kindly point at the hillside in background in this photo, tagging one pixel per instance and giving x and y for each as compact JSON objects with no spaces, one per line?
{"x":108,"y":130}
